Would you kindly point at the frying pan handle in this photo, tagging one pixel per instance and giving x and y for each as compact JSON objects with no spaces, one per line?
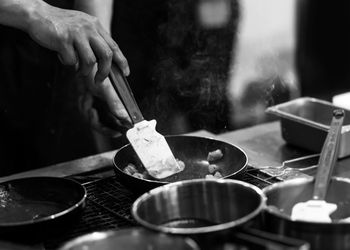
{"x":121,"y":86}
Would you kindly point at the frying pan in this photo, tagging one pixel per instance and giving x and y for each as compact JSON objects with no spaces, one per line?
{"x":34,"y":208}
{"x":193,"y":151}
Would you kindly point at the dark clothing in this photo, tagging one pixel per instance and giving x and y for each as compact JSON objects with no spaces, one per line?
{"x":323,"y":47}
{"x":39,"y":119}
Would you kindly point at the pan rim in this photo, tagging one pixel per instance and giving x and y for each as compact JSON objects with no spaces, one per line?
{"x":199,"y":230}
{"x":238,"y":172}
{"x":286,"y":217}
{"x":49,"y":217}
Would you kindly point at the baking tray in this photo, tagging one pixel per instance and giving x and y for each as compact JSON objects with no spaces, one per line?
{"x":305,"y":123}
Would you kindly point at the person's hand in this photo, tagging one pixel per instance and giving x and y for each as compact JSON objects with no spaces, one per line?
{"x":101,"y":106}
{"x":78,"y":38}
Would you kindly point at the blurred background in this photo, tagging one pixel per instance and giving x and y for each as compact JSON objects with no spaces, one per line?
{"x":212,"y":65}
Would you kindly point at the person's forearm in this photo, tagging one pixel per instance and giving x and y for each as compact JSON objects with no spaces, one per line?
{"x":19,"y":13}
{"x":102,"y":9}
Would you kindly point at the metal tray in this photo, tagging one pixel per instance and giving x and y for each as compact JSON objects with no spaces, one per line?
{"x":305,"y":123}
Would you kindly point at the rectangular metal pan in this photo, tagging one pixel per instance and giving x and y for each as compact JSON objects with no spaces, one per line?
{"x":305,"y":122}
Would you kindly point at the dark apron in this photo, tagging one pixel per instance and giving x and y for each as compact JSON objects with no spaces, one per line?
{"x":39,"y":119}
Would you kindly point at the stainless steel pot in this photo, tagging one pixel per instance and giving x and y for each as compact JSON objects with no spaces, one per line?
{"x":281,"y":197}
{"x":129,"y":239}
{"x":206,"y":210}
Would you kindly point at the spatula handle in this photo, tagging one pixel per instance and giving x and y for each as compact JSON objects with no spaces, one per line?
{"x":121,"y":86}
{"x":329,"y":155}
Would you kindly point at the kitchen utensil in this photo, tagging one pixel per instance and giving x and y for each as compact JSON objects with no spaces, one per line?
{"x":33,"y":208}
{"x":212,"y":212}
{"x":318,"y":209}
{"x":129,"y":239}
{"x":300,"y":164}
{"x":281,"y":198}
{"x":193,"y":151}
{"x":305,"y":122}
{"x":150,"y":146}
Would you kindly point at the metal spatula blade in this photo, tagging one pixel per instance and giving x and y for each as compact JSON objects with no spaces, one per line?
{"x":317,"y":209}
{"x":150,"y":146}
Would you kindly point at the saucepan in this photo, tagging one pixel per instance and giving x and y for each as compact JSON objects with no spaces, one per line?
{"x":129,"y":239}
{"x":211,"y":212}
{"x":281,"y":197}
{"x":193,"y":151}
{"x":37,"y":207}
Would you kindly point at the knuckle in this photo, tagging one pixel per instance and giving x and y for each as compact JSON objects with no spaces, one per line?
{"x":107,"y":55}
{"x":64,"y":37}
{"x":114,"y":47}
{"x":95,"y":21}
{"x":124,"y":62}
{"x":90,"y":61}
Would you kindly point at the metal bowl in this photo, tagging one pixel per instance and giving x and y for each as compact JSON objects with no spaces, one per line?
{"x":129,"y":239}
{"x":198,"y":206}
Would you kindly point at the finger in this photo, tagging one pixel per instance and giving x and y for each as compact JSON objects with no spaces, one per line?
{"x":118,"y":56}
{"x":87,"y":57}
{"x":114,"y":103}
{"x":104,"y":56}
{"x":95,"y":124}
{"x":67,"y":56}
{"x":85,"y":103}
{"x":91,"y":115}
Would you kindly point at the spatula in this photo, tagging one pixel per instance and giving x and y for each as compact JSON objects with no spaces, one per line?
{"x":150,"y":146}
{"x":317,"y":209}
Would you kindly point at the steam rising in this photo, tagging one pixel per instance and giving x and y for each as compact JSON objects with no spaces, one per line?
{"x":192,"y":73}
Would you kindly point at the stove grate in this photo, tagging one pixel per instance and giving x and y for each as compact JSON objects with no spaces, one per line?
{"x":109,"y":202}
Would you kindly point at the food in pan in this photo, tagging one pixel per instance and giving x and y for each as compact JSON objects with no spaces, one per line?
{"x":131,"y":169}
{"x":217,"y":175}
{"x":209,"y":176}
{"x":213,"y":169}
{"x":181,"y":164}
{"x":215,"y":155}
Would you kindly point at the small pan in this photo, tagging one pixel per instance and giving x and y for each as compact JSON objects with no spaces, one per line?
{"x":34,"y":208}
{"x":193,"y":151}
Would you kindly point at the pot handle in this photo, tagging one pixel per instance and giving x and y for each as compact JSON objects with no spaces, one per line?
{"x":256,"y":239}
